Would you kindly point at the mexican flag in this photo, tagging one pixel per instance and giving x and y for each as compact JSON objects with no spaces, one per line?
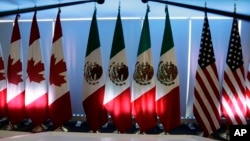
{"x":117,"y":98}
{"x":93,"y":82}
{"x":143,"y":84}
{"x":167,"y":84}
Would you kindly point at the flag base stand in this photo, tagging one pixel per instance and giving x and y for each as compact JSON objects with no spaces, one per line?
{"x":10,"y":127}
{"x":61,"y":129}
{"x":39,"y":128}
{"x":227,"y":132}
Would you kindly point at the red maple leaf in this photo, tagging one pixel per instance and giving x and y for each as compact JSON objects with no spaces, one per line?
{"x":1,"y":68}
{"x":34,"y":71}
{"x":14,"y":71}
{"x":55,"y":71}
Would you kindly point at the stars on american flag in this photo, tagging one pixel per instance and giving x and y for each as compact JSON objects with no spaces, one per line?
{"x":234,"y":58}
{"x":206,"y":55}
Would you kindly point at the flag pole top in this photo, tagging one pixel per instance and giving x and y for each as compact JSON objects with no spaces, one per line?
{"x":35,"y":10}
{"x":205,"y":8}
{"x":148,"y":8}
{"x":59,"y":8}
{"x":166,"y":9}
{"x":95,"y":7}
{"x":18,"y":10}
{"x":119,"y":5}
{"x":235,"y":7}
{"x":18,"y":14}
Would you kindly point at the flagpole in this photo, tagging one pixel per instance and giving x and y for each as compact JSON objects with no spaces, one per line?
{"x":39,"y":8}
{"x":210,"y":10}
{"x":227,"y":136}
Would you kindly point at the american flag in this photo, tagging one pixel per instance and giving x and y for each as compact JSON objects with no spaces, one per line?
{"x":248,"y":91}
{"x":233,"y":92}
{"x":207,"y":98}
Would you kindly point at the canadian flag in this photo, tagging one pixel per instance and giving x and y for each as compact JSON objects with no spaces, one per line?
{"x":59,"y":95}
{"x":36,"y":97}
{"x":15,"y":84}
{"x":3,"y":87}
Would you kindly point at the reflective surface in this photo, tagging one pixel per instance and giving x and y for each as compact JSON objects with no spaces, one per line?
{"x":61,"y":136}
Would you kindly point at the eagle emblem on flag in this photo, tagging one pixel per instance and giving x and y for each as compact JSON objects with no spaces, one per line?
{"x":118,"y":73}
{"x":92,"y":72}
{"x":167,"y":73}
{"x":143,"y":73}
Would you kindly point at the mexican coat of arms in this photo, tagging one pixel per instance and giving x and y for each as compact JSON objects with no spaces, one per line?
{"x":118,"y":73}
{"x":143,"y":73}
{"x":92,"y":72}
{"x":167,"y":73}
